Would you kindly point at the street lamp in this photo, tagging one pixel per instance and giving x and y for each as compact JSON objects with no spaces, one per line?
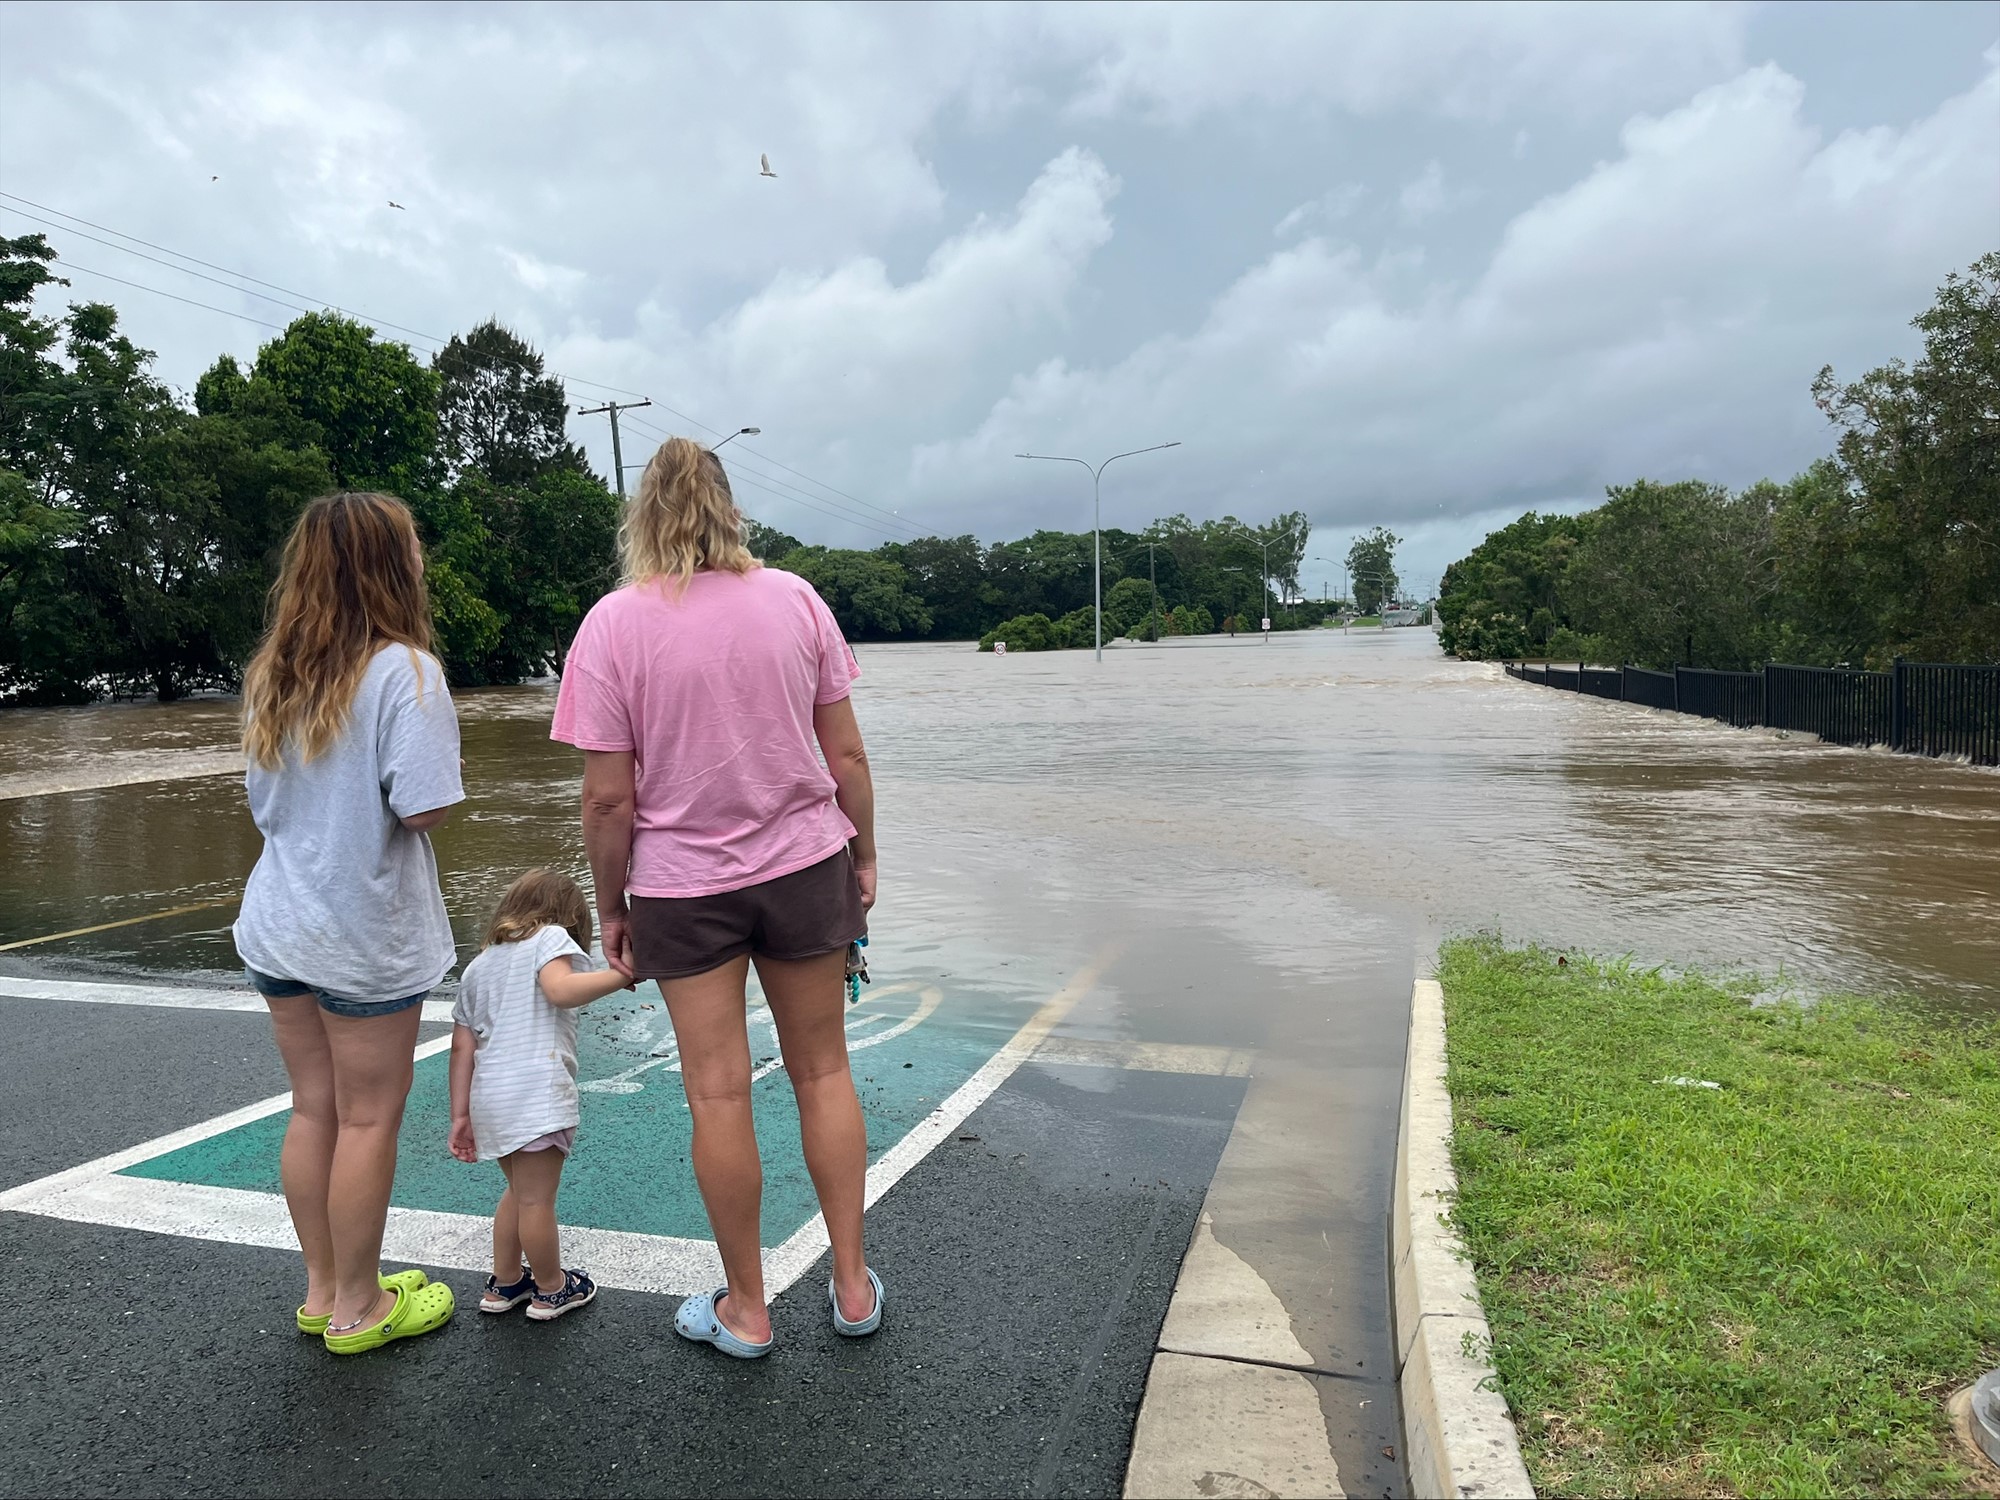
{"x":1096,"y":531}
{"x":1344,"y":600}
{"x":1265,"y":547}
{"x":739,"y":432}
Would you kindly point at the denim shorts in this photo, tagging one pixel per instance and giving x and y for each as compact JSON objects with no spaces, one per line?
{"x":284,"y":989}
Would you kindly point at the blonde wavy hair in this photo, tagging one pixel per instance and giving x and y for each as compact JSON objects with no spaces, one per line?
{"x":682,"y":519}
{"x":351,"y":581}
{"x":538,"y":899}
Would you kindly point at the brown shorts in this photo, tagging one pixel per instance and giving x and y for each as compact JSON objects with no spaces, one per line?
{"x":801,"y":915}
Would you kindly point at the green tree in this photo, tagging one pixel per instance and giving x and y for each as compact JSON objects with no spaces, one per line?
{"x":869,"y":595}
{"x":1509,"y":597}
{"x":1129,"y":604}
{"x":1023,"y":633}
{"x":1678,"y":574}
{"x":1919,"y":452}
{"x":1077,"y":630}
{"x":1371,"y":565}
{"x":769,"y":543}
{"x":367,"y":404}
{"x":527,"y":560}
{"x":949,"y":575}
{"x":498,"y":414}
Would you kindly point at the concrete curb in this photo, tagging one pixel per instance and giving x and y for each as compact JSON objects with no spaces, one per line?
{"x":1458,"y":1437}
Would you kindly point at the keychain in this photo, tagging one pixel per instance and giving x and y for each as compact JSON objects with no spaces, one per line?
{"x":857,"y":968}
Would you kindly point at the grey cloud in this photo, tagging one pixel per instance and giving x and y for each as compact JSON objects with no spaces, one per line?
{"x":997,"y":226}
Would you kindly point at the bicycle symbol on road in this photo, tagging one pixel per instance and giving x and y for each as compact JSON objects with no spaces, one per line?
{"x":865,"y":1028}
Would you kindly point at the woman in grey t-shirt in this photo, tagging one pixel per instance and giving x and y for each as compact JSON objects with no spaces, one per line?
{"x":352,"y":744}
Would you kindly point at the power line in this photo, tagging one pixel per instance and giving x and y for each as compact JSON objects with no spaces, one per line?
{"x":70,"y":265}
{"x":183,"y":270}
{"x":810,"y":502}
{"x":790,"y":491}
{"x":318,"y":302}
{"x":888,"y":516}
{"x":793,"y":494}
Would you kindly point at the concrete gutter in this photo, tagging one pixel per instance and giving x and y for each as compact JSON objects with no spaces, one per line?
{"x":1459,"y":1438}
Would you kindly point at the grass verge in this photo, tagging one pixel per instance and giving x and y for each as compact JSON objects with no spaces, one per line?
{"x":1766,"y":1288}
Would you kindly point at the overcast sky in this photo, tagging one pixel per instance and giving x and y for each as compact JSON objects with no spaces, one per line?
{"x":1422,"y":265}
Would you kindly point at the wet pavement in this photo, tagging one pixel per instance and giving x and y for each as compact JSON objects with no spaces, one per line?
{"x":1248,"y":843}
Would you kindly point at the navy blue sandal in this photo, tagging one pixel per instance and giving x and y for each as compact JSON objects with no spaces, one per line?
{"x":500,"y":1299}
{"x":577,"y":1289}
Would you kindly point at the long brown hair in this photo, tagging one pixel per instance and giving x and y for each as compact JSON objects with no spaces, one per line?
{"x":350,"y":583}
{"x":538,"y":899}
{"x":682,"y":518}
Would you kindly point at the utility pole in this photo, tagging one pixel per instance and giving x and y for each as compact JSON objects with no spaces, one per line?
{"x":1153,"y":574}
{"x":617,"y":453}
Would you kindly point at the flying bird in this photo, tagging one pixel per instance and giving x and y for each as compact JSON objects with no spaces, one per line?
{"x":215,"y":179}
{"x":394,"y":204}
{"x":764,"y":166}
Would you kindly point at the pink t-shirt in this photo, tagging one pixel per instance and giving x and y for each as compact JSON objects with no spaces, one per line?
{"x":714,"y":693}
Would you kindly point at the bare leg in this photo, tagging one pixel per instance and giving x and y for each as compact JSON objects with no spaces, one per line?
{"x":806,"y":1002}
{"x":372,"y":1066}
{"x":305,"y":1164}
{"x":714,"y":1040}
{"x":506,"y":1235}
{"x":532,"y":1180}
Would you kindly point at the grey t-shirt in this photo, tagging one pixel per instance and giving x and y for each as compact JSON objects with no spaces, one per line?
{"x":345,"y":898}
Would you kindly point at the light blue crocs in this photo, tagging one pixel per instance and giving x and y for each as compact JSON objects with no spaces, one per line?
{"x":697,"y":1320}
{"x":868,"y":1324}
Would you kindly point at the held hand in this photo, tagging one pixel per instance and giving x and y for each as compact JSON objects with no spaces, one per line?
{"x":864,"y":875}
{"x":462,"y":1145}
{"x":618,"y":943}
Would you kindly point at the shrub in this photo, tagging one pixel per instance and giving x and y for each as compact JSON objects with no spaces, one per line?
{"x":1022,"y":633}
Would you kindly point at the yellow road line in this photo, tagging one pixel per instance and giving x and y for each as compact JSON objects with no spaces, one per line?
{"x":172,"y":911}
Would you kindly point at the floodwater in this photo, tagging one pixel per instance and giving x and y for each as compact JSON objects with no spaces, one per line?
{"x":1316,"y":800}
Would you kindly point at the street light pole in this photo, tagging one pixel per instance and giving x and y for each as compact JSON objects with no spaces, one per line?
{"x":1265,"y":547}
{"x":739,"y":432}
{"x":1096,"y":529}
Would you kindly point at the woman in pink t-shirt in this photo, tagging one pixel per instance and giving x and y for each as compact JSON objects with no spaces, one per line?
{"x":717,"y":840}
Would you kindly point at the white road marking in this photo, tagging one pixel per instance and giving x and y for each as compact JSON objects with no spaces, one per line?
{"x":173,"y":997}
{"x":93,"y":1193}
{"x":791,"y":1260}
{"x":666,"y":1058}
{"x":461,"y":1242}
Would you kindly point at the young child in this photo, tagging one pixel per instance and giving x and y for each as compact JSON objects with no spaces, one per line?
{"x":513,"y":1080}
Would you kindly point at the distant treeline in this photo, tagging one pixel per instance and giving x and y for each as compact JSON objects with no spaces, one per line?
{"x":1889,"y":547}
{"x":955,"y":588}
{"x":139,"y":531}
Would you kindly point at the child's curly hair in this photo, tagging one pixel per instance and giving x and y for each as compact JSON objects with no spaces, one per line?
{"x":540,"y":898}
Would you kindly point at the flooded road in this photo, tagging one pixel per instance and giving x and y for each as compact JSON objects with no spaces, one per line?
{"x":1314,"y":803}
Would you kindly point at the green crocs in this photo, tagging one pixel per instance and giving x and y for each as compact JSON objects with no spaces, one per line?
{"x":420,"y":1311}
{"x":413,"y":1279}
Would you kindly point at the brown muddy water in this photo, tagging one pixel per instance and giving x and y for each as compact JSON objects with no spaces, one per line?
{"x":1318,"y":802}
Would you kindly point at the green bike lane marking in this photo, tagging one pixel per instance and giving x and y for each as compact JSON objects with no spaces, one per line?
{"x":928,"y":1050}
{"x":630,"y":1169}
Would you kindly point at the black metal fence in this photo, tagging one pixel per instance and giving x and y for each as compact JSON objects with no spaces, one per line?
{"x":1733,"y":697}
{"x":1924,"y":708}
